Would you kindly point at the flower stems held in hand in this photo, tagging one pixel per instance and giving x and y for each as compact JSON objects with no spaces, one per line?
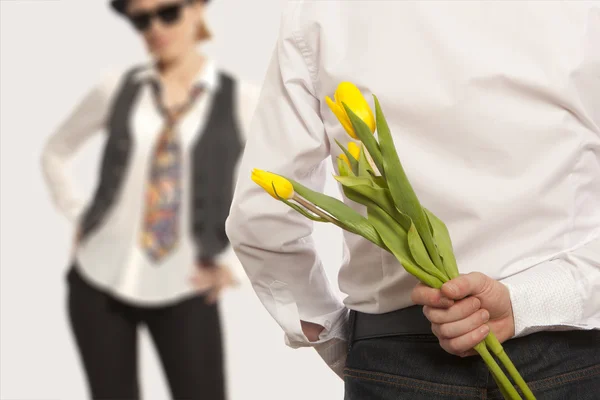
{"x":495,"y":347}
{"x":505,"y":394}
{"x":499,"y":375}
{"x":383,"y":230}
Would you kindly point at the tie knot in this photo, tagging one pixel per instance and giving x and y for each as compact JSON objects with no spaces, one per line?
{"x":172,"y":114}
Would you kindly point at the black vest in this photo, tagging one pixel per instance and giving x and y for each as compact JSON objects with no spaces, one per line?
{"x":215,"y":155}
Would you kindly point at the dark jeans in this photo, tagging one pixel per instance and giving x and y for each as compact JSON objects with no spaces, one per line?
{"x":187,"y":336}
{"x":556,"y":366}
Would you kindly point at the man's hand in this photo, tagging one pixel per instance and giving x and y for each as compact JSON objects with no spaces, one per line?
{"x":311,"y":331}
{"x":462,"y":309}
{"x":213,"y":278}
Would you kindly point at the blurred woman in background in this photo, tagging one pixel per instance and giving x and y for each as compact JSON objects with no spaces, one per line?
{"x":149,"y":247}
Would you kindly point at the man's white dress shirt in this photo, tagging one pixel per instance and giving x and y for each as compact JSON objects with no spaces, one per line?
{"x":495,"y":111}
{"x":112,"y":257}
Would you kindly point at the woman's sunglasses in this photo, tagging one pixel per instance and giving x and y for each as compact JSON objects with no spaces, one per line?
{"x":168,"y":14}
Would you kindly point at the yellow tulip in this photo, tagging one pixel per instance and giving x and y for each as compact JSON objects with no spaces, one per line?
{"x":354,"y":150}
{"x":344,"y":158}
{"x":267,"y":180}
{"x":349,"y":94}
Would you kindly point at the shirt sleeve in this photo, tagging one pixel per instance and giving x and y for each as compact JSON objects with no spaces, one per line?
{"x":560,"y":294}
{"x":272,"y":241}
{"x":246,"y":102}
{"x":85,"y":120}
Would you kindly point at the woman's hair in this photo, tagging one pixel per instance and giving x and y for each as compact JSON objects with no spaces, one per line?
{"x":203,"y":32}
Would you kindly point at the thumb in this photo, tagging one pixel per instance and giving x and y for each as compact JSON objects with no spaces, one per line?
{"x":465,"y":285}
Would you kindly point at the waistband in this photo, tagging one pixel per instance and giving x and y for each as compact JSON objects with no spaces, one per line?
{"x":406,"y":321}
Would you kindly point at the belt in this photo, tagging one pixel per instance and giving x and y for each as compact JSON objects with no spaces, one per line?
{"x":406,"y":321}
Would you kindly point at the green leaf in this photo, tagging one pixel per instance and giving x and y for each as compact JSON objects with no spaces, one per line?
{"x":367,"y":188}
{"x":402,"y":192}
{"x":364,"y":168}
{"x":379,"y":180}
{"x":350,"y":219}
{"x":419,"y":253}
{"x":342,"y":167}
{"x":441,"y":236}
{"x":357,"y":197}
{"x":396,"y":242}
{"x":366,"y":137}
{"x":353,"y":161}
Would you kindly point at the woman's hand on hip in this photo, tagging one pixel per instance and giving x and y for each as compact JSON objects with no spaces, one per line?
{"x":76,"y":240}
{"x":213,"y":279}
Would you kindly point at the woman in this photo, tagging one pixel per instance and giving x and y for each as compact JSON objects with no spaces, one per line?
{"x":149,"y":247}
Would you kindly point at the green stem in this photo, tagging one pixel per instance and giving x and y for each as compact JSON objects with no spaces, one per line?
{"x":318,"y":211}
{"x":494,"y":345}
{"x":504,"y":393}
{"x":503,"y":382}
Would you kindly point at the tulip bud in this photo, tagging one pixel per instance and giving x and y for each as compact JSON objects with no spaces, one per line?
{"x":354,"y":150}
{"x":272,"y":183}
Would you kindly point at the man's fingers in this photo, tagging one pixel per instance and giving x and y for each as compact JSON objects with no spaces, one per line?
{"x":460,"y":310}
{"x":468,"y":353}
{"x":465,"y":285}
{"x":463,"y":344}
{"x":427,"y":296}
{"x":456,"y":329}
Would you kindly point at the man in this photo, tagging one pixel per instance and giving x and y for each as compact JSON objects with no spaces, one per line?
{"x":495,"y":111}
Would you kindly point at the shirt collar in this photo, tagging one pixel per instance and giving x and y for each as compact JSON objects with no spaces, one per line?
{"x":208,"y":77}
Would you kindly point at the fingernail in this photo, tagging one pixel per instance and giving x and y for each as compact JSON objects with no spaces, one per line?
{"x":485,"y":316}
{"x":450,"y":287}
{"x":484,"y":330}
{"x":446,"y":301}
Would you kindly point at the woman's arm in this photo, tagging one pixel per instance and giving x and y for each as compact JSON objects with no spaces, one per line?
{"x":87,"y":119}
{"x":247,"y":100}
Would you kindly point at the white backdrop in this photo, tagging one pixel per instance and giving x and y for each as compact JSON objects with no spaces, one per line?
{"x":52,"y":51}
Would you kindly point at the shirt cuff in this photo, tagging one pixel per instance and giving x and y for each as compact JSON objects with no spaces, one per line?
{"x":544,"y":297}
{"x":336,"y":330}
{"x":332,"y":345}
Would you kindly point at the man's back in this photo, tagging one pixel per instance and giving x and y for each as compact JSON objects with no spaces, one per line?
{"x":495,"y":112}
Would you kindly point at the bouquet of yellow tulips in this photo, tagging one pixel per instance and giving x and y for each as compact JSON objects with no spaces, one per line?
{"x":371,"y":174}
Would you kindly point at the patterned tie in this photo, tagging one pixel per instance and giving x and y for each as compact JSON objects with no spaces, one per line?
{"x":160,"y":232}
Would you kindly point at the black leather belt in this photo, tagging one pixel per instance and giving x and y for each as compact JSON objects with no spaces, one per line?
{"x":407,"y":321}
